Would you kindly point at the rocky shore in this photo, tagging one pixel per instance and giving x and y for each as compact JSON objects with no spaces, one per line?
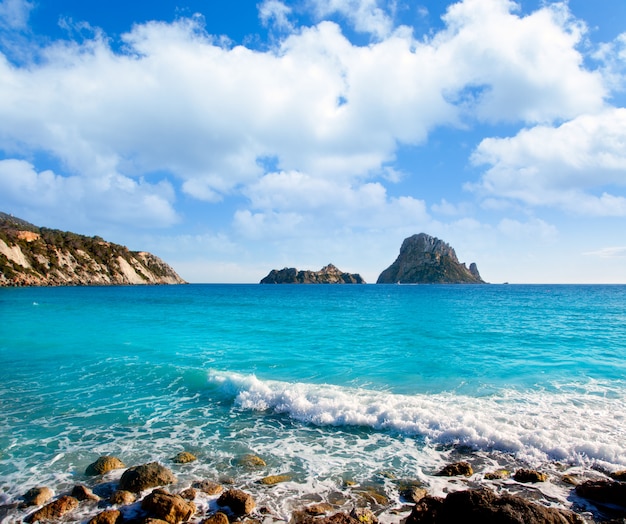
{"x":151,"y":494}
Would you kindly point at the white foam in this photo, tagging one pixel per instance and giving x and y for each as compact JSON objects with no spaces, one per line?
{"x":581,"y":426}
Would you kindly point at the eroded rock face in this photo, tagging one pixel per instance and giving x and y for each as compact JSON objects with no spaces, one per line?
{"x":485,"y":507}
{"x":37,"y":496}
{"x":327,"y":275}
{"x":110,"y":516}
{"x":457,"y":469}
{"x":145,"y":477}
{"x":54,"y":510}
{"x":239,"y":502}
{"x":604,"y":491}
{"x":428,"y":260}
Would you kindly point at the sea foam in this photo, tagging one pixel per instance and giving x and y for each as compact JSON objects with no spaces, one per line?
{"x":580,"y":426}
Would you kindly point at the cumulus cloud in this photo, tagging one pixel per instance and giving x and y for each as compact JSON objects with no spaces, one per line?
{"x":374,"y":17}
{"x":14,"y":14}
{"x":569,"y":166}
{"x":110,"y":198}
{"x":277,"y":13}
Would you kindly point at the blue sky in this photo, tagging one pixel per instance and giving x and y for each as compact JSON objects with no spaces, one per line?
{"x":231,"y":138}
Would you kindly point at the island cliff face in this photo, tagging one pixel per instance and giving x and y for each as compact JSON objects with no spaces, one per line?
{"x":428,"y":260}
{"x":37,"y":256}
{"x":327,"y":275}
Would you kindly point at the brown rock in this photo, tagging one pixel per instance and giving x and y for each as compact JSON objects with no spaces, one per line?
{"x":251,"y":461}
{"x":146,"y":476}
{"x":168,"y":507}
{"x":499,"y":474}
{"x":208,"y":487}
{"x":274,"y":479}
{"x":529,"y":475}
{"x":239,"y":502}
{"x":84,"y":493}
{"x":606,"y":491}
{"x":413,"y":494}
{"x":110,"y":516}
{"x":122,"y":498}
{"x":150,"y":520}
{"x":216,"y":518}
{"x":189,"y":493}
{"x":337,"y":518}
{"x":54,"y":510}
{"x":485,"y":507}
{"x":318,"y":509}
{"x":103,"y":465}
{"x":457,"y":469}
{"x":184,"y":457}
{"x":37,"y":496}
{"x":364,"y":515}
{"x":619,"y":475}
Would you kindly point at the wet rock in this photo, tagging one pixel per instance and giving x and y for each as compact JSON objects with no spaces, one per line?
{"x":189,"y":493}
{"x":499,"y":474}
{"x":54,"y":510}
{"x":413,"y":494}
{"x":457,"y":469}
{"x":605,"y":491}
{"x":251,"y":461}
{"x":208,"y":487}
{"x":529,"y":475}
{"x":103,"y":465}
{"x":110,"y":516}
{"x":619,"y":475}
{"x":145,"y":477}
{"x":337,"y":518}
{"x":318,"y":509}
{"x":274,"y":479}
{"x":239,"y":502}
{"x":364,"y":516}
{"x":168,"y":507}
{"x":216,"y":518}
{"x":184,"y":457}
{"x":84,"y":493}
{"x":37,"y":496}
{"x":485,"y":507}
{"x":122,"y":498}
{"x":154,"y":521}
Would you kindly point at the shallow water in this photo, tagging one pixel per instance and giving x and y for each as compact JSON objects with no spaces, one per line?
{"x":369,"y":384}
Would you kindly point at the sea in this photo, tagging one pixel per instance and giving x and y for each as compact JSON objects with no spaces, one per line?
{"x":353,"y":392}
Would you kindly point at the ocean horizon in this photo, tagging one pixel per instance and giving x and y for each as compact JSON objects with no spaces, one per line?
{"x":340,"y":387}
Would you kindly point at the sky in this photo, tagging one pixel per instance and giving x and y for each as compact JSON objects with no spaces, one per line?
{"x":232,"y":138}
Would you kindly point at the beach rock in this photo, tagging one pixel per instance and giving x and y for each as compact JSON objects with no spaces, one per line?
{"x":251,"y":461}
{"x":485,"y":507}
{"x":239,"y":502}
{"x":189,"y":493}
{"x":168,"y":507}
{"x":457,"y":469}
{"x":122,"y":498}
{"x":37,"y":496}
{"x":327,"y":275}
{"x":84,"y":493}
{"x":318,"y":509}
{"x":499,"y":474}
{"x":428,"y":260}
{"x":337,"y":518}
{"x":54,"y":510}
{"x":605,"y":491}
{"x":140,"y":478}
{"x":274,"y":479}
{"x":529,"y":476}
{"x":216,"y":518}
{"x":619,"y":475}
{"x":413,"y":494}
{"x":110,"y":516}
{"x":103,"y":465}
{"x":364,"y":515}
{"x":208,"y":487}
{"x":184,"y":457}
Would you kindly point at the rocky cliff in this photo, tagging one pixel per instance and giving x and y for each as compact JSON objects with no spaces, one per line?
{"x":327,"y":275}
{"x":428,"y":260}
{"x":37,"y":256}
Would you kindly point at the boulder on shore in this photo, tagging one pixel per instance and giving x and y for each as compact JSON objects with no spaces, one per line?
{"x":428,"y":260}
{"x":55,"y":510}
{"x":484,"y":507}
{"x":168,"y":507}
{"x":140,"y":478}
{"x":239,"y":502}
{"x":37,"y":496}
{"x":103,"y":465}
{"x":457,"y":469}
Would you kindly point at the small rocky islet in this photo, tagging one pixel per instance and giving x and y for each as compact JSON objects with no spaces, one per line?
{"x":150,"y":494}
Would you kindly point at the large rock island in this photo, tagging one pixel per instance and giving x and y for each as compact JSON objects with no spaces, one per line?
{"x":327,"y":275}
{"x":428,"y":260}
{"x":38,"y":256}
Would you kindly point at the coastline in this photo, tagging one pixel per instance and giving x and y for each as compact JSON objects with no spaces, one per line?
{"x":104,"y":496}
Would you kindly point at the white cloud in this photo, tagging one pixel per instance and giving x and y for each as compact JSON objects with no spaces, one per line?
{"x":110,"y":198}
{"x":14,"y":14}
{"x":366,"y":16}
{"x":608,"y":252}
{"x":561,"y":166}
{"x":276,"y":12}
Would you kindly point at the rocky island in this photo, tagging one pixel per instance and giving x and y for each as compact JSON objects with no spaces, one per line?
{"x":38,"y":256}
{"x":424,"y":259}
{"x":327,"y":275}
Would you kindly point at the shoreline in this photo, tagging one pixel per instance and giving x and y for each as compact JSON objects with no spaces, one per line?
{"x":273,"y":501}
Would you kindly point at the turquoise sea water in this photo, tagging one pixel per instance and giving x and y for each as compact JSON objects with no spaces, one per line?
{"x":326,"y":383}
